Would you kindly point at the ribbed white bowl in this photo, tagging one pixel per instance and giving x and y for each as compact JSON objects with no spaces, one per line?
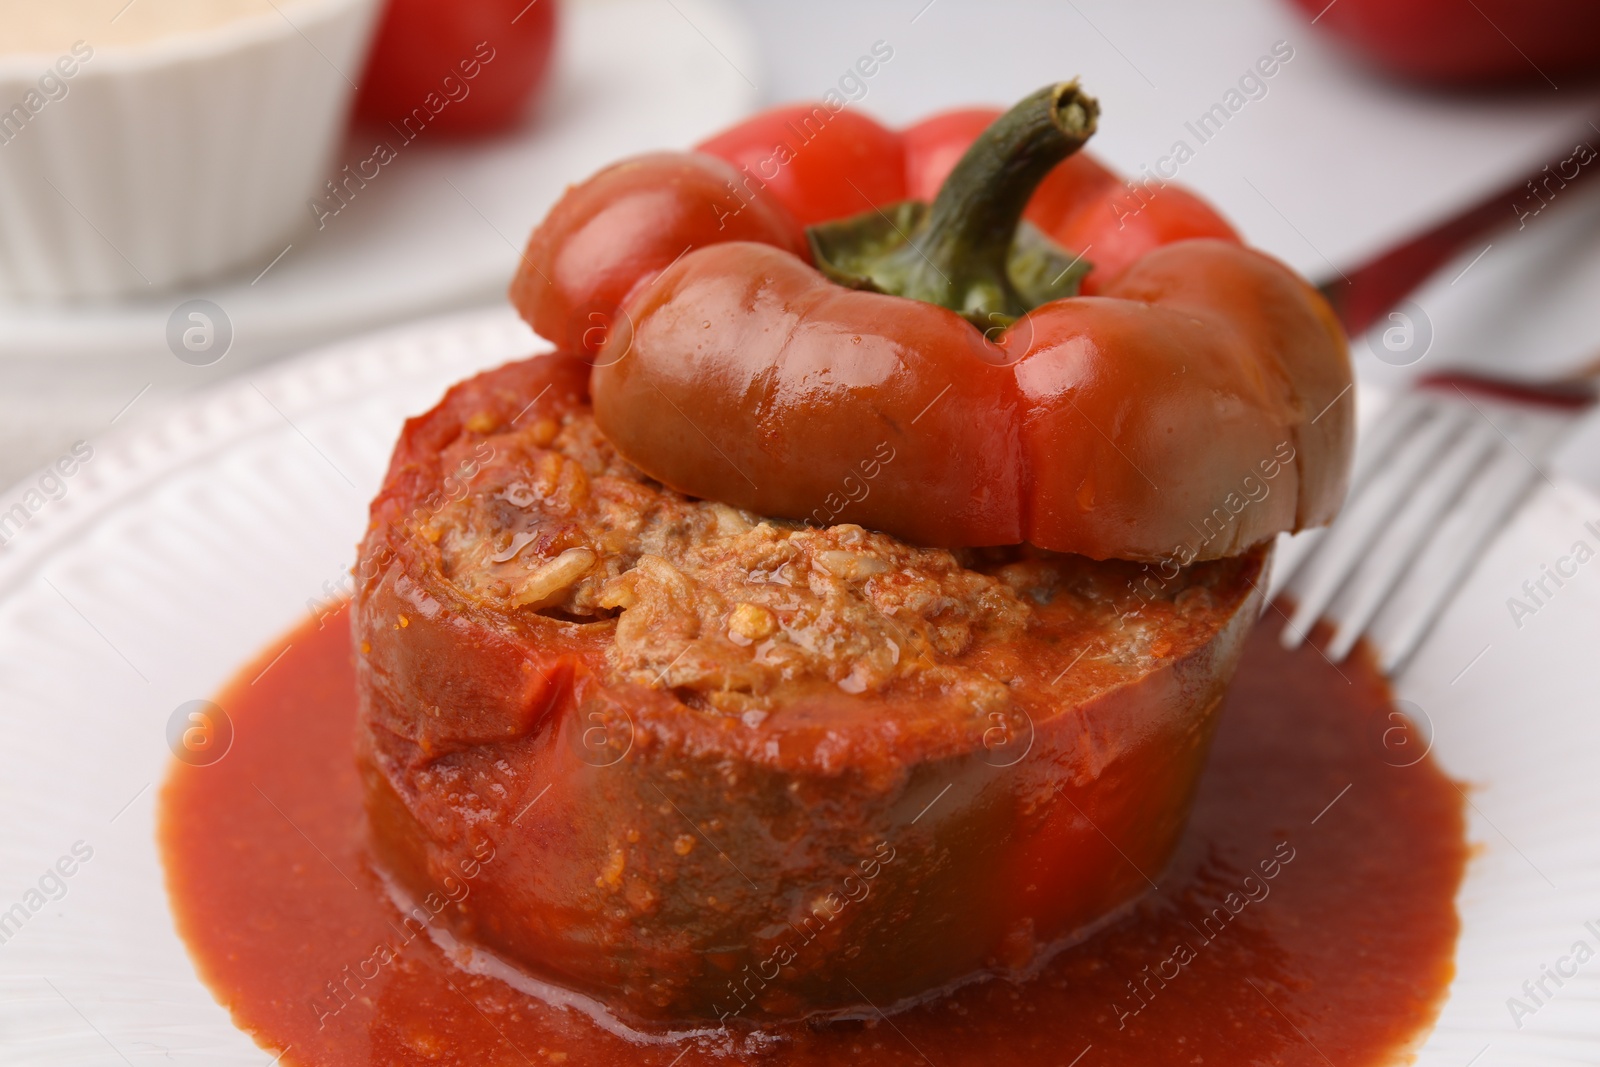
{"x":176,"y":160}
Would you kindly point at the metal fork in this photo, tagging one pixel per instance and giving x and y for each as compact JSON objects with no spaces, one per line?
{"x":1439,"y":472}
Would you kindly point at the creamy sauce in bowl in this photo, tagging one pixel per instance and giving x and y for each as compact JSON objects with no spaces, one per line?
{"x":32,"y":26}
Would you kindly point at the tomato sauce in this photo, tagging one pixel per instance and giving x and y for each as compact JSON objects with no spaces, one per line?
{"x":1307,"y":917}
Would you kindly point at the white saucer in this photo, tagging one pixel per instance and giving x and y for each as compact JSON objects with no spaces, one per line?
{"x":180,"y":552}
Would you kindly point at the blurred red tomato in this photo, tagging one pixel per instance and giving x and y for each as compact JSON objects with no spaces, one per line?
{"x":1454,"y":42}
{"x":457,"y":66}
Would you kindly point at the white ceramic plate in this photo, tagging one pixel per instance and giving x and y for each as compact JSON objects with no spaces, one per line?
{"x":441,"y":226}
{"x":181,"y":551}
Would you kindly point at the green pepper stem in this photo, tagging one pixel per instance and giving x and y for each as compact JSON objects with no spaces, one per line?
{"x":973,"y":219}
{"x":964,"y":250}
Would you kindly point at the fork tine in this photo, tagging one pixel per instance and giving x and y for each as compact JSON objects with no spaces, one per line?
{"x":1483,"y":512}
{"x":1292,"y":551}
{"x":1398,"y":418}
{"x":1367,"y":515}
{"x":1503,"y":491}
{"x":1401,"y":415}
{"x":1417,"y":522}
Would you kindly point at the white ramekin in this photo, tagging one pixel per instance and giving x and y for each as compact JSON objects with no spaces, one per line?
{"x":175,"y":160}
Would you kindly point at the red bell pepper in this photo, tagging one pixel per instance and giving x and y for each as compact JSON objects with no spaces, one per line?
{"x":930,"y":371}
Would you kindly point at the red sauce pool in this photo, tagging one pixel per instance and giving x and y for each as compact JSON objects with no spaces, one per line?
{"x":1308,"y":917}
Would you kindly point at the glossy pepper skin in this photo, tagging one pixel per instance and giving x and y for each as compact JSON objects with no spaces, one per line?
{"x":794,"y":166}
{"x":1197,"y":405}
